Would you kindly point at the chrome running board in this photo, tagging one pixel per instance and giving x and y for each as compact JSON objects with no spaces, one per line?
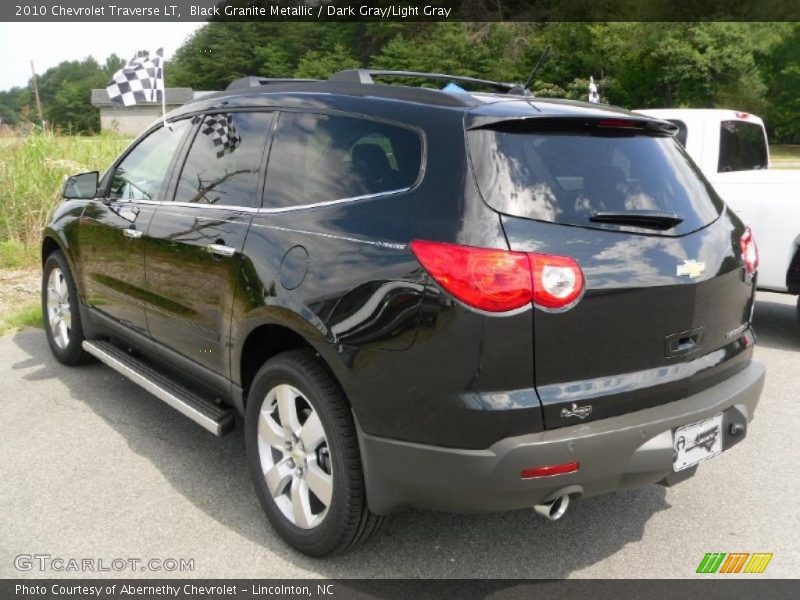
{"x":209,"y":415}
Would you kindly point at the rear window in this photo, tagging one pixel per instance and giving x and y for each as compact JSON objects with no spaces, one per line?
{"x":568,"y":177}
{"x":742,"y":147}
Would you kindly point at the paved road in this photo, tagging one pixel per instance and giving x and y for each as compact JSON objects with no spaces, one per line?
{"x":92,"y":466}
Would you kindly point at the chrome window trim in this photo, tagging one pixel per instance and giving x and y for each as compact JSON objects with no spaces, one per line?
{"x":282,"y":209}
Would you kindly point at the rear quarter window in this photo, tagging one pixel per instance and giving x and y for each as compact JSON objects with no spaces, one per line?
{"x":320,"y":158}
{"x":567,"y":177}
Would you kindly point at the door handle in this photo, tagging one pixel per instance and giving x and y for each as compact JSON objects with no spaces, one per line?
{"x":221,"y":250}
{"x":133,"y":234}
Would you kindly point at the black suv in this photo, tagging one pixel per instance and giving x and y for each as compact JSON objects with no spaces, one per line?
{"x":451,"y":299}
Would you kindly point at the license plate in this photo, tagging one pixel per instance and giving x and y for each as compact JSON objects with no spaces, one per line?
{"x":697,"y":442}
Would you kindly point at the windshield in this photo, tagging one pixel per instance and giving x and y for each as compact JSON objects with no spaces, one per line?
{"x":569,"y":177}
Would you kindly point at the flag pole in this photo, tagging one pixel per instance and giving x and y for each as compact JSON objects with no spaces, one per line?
{"x":160,"y":52}
{"x":36,"y":93}
{"x":164,"y":108}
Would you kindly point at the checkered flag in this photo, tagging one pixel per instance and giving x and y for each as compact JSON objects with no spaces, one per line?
{"x":594,"y":96}
{"x":222,"y":132}
{"x":141,"y":80}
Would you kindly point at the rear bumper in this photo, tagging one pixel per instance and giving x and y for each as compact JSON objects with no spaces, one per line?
{"x":624,"y":451}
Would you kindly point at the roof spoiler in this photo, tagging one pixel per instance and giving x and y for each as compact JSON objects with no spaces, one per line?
{"x":598,"y":121}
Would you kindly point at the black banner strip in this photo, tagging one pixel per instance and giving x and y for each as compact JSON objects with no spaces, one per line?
{"x":713,"y":588}
{"x":387,"y":10}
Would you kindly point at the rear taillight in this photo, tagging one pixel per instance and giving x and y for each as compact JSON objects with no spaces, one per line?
{"x":749,"y":251}
{"x":491,"y":280}
{"x":557,"y":281}
{"x":500,"y":280}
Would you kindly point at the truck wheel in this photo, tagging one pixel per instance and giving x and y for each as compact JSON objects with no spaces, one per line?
{"x":62,"y":319}
{"x":303,"y":456}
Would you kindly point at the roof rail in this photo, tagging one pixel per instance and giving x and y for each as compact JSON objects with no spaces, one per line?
{"x":365,"y":76}
{"x":252,"y":81}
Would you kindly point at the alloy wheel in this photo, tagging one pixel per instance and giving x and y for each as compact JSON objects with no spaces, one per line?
{"x":59,"y":314}
{"x":295,"y":456}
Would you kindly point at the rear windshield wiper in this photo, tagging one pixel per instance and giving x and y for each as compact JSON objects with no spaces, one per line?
{"x":652,"y":219}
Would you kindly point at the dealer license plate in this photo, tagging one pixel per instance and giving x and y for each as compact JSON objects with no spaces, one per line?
{"x":697,"y":442}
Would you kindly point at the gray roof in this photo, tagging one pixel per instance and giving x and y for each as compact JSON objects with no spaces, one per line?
{"x":175,"y":96}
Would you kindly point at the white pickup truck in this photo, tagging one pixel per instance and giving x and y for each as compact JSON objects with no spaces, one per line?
{"x":731,"y":149}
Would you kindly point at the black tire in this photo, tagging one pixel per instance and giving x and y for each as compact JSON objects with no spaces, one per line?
{"x":71,"y":353}
{"x":348,"y":521}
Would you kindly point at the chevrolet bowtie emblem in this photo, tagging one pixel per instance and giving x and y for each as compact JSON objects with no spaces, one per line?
{"x":692,"y":268}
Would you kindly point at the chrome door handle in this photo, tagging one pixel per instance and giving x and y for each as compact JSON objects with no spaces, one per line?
{"x":133,"y":234}
{"x":221,"y":250}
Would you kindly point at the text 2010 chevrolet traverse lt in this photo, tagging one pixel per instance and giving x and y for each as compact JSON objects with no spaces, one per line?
{"x":453,"y":300}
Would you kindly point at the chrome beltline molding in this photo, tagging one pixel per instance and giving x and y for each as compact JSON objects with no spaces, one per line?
{"x":250,"y":209}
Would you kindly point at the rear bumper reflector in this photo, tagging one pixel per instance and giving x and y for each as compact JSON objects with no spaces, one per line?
{"x":549,"y":470}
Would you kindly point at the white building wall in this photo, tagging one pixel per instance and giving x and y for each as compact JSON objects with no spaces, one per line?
{"x":131,"y":120}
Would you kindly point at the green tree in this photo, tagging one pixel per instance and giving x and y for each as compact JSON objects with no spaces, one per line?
{"x":440,"y":48}
{"x":683,"y":64}
{"x":273,"y":61}
{"x":780,"y":65}
{"x":66,"y":90}
{"x":317,"y":64}
{"x":220,"y":52}
{"x":16,"y":106}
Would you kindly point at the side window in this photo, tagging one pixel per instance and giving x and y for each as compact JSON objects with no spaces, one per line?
{"x":318,"y":158}
{"x":142,"y":172}
{"x":742,"y":147}
{"x":224,"y":162}
{"x":682,"y":131}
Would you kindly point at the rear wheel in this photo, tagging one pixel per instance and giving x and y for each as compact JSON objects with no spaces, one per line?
{"x":62,"y":319}
{"x":303,"y":455}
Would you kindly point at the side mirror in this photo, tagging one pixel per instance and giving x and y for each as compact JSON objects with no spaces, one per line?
{"x":82,"y":186}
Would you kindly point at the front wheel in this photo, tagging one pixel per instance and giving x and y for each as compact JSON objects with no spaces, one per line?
{"x":62,"y":319}
{"x":303,"y":455}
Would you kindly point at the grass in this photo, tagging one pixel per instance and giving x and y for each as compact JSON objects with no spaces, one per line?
{"x":15,"y":254}
{"x":26,"y":316}
{"x":785,"y":157}
{"x":32,"y":171}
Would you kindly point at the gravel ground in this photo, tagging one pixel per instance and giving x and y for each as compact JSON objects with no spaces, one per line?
{"x":18,"y":288}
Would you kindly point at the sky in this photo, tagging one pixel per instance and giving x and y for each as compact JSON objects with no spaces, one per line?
{"x":48,"y":44}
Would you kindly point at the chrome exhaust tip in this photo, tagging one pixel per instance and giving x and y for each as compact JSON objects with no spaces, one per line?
{"x":554,"y":509}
